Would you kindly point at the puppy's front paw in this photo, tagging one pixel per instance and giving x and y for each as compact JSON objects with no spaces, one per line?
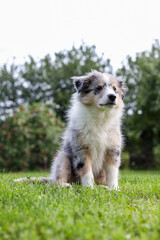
{"x":104,"y":186}
{"x":66,"y":185}
{"x":88,"y":180}
{"x":114,"y":187}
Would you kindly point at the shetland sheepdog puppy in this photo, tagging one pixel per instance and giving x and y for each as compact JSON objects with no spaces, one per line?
{"x":92,"y":142}
{"x":91,"y":147}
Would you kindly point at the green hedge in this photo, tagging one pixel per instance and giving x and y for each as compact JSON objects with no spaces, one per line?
{"x":30,"y":138}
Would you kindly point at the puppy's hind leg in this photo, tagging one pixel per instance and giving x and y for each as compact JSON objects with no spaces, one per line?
{"x":100,"y":179}
{"x":61,"y":172}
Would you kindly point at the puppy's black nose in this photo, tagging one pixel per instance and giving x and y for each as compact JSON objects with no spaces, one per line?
{"x":112,"y":97}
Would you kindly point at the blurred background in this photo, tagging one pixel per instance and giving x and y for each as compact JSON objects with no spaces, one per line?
{"x":43,"y":43}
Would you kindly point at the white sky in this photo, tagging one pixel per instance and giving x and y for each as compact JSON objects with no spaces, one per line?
{"x":39,"y":27}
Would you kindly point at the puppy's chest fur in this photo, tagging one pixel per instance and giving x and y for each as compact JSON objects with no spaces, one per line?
{"x":98,"y":140}
{"x":98,"y":132}
{"x":97,"y":144}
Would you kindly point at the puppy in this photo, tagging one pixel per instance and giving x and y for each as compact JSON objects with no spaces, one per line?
{"x":92,"y":142}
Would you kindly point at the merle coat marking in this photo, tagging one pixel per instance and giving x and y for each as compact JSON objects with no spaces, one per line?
{"x":92,"y":142}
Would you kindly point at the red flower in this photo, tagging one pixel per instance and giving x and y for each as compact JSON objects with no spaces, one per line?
{"x":24,"y":163}
{"x":2,"y":145}
{"x":35,"y":110}
{"x":22,"y":109}
{"x":42,"y":156}
{"x":28,"y":152}
{"x":50,"y":115}
{"x":6,"y":165}
{"x":9,"y":135}
{"x":52,"y":123}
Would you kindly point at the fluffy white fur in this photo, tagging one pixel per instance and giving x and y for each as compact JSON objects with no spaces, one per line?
{"x":97,"y":126}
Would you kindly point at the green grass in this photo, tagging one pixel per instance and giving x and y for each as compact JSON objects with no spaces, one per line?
{"x":41,"y":211}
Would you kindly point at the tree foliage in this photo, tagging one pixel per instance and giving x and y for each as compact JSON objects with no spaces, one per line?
{"x":142,"y":76}
{"x":48,"y":80}
{"x":9,"y":89}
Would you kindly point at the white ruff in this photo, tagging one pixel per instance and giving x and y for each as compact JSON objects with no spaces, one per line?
{"x":95,"y":125}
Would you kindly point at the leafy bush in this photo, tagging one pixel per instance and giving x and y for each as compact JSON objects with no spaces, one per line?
{"x":29,"y":139}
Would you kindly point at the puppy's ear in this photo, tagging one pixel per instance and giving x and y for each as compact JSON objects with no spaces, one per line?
{"x":79,"y":82}
{"x":121,"y":85}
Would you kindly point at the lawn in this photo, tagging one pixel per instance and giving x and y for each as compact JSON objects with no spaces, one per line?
{"x":40,"y":211}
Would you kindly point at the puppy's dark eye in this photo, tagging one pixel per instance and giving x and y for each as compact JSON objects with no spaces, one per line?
{"x":87,"y":91}
{"x":114,"y":88}
{"x":99,"y":88}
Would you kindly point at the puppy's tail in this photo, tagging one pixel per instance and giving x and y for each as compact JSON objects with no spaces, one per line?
{"x":42,"y":180}
{"x":33,"y":179}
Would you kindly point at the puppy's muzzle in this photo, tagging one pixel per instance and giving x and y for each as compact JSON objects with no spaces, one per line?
{"x":112,"y":97}
{"x":110,"y":100}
